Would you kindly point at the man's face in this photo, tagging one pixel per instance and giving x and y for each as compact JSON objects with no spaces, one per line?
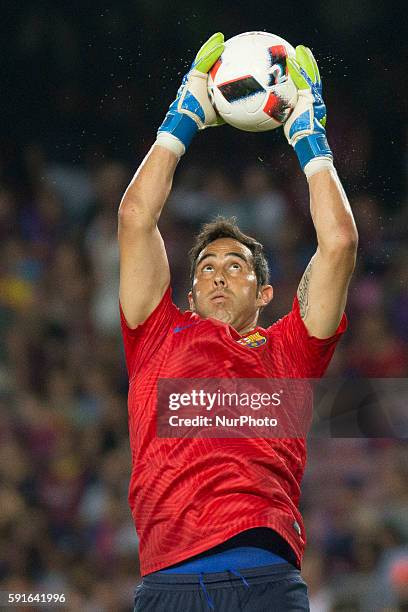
{"x":225,"y":285}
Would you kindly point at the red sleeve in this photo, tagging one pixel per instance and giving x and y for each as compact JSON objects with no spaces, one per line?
{"x":309,"y":356}
{"x":142,"y":342}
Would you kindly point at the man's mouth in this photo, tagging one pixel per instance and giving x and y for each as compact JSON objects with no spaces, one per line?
{"x":219,"y":297}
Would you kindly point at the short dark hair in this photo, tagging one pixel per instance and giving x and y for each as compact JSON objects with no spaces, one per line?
{"x":226,"y":227}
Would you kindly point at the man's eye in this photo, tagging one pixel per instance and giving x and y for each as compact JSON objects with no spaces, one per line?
{"x":207,"y":268}
{"x":235,"y":266}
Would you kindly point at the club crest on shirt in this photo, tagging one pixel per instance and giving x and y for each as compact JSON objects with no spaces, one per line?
{"x":253,"y":340}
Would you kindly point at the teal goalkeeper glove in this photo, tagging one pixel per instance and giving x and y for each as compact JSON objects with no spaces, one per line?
{"x":192,"y":109}
{"x":305,"y":128}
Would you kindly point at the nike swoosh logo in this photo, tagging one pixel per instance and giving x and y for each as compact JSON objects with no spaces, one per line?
{"x":179,"y":329}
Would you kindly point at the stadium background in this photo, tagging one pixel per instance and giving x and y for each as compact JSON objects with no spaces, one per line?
{"x":84,"y":89}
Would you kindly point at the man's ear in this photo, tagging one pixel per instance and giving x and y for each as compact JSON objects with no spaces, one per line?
{"x":265,"y":295}
{"x":191,"y":301}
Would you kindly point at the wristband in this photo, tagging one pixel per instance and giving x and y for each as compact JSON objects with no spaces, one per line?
{"x":316,"y":164}
{"x":170,"y":142}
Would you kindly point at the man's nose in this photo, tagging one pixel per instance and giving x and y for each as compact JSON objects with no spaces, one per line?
{"x":219,"y":280}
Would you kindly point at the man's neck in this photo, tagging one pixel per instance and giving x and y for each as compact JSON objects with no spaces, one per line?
{"x":244,"y":331}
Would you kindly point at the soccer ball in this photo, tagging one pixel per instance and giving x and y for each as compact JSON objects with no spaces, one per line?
{"x":249,"y":85}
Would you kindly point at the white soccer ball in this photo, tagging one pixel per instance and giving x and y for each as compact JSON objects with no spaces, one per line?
{"x":250,"y":86}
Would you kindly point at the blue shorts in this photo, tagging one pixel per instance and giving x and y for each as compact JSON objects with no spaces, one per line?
{"x":272,"y":588}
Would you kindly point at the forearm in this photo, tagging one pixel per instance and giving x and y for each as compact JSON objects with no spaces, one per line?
{"x":331,"y":214}
{"x":149,"y":189}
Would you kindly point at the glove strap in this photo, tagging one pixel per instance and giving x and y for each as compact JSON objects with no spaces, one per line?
{"x":179,"y":125}
{"x":309,"y":147}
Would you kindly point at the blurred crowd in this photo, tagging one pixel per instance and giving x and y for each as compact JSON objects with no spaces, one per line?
{"x":64,"y":457}
{"x":65,"y":526}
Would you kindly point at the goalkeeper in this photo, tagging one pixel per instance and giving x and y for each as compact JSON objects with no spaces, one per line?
{"x":218,"y":520}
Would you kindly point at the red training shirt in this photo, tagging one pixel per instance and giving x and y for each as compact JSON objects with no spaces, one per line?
{"x":188,"y":495}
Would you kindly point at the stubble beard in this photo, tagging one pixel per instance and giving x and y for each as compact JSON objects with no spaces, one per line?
{"x":215,"y":312}
{"x":222,"y":315}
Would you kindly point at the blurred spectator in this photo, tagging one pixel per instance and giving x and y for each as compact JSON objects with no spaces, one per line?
{"x":102,"y":245}
{"x":264,"y":204}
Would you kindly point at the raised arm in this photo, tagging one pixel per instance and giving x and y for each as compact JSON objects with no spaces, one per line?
{"x":322,"y":292}
{"x":144,"y":269}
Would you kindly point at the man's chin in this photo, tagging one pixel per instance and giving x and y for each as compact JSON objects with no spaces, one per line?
{"x":216,"y":313}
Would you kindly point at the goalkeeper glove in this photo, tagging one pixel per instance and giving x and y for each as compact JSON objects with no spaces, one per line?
{"x":305,"y":128}
{"x":192,"y":110}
